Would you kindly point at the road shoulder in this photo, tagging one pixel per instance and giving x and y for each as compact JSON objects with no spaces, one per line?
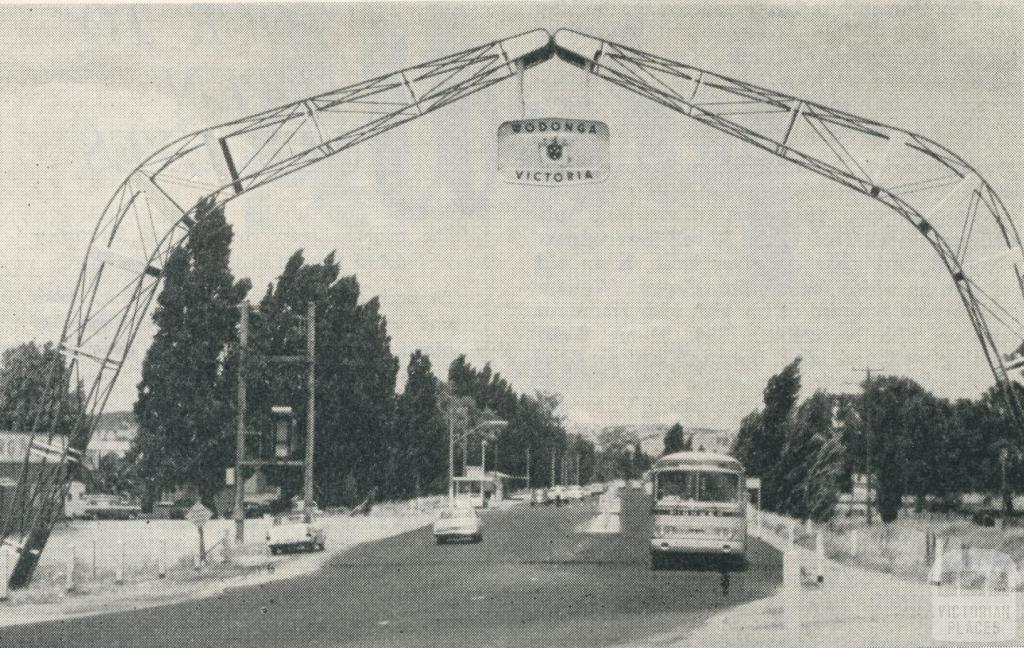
{"x":343,"y":533}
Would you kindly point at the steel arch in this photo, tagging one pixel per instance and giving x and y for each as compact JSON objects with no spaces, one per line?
{"x":919,"y":179}
{"x":151,"y":212}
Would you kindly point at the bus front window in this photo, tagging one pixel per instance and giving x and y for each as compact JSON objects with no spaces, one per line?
{"x":719,"y":487}
{"x":677,"y":484}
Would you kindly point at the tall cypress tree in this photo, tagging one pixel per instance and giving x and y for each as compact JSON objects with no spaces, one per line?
{"x":184,"y":404}
{"x":355,"y":379}
{"x":421,"y":432}
{"x":675,"y":440}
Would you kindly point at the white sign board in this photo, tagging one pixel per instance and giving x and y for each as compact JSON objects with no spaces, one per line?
{"x":14,"y":446}
{"x":198,"y":514}
{"x":553,"y":151}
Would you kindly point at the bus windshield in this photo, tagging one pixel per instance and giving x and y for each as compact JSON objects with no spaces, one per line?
{"x":698,"y":486}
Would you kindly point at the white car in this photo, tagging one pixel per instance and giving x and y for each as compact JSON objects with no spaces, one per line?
{"x":291,"y":532}
{"x":458,"y":523}
{"x":573,"y":493}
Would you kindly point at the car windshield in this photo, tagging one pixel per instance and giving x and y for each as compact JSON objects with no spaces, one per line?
{"x":457,"y":513}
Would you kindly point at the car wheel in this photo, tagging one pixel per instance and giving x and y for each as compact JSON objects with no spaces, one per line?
{"x":440,"y":540}
{"x":273,"y":551}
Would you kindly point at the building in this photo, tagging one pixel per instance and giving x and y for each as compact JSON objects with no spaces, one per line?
{"x":478,"y":488}
{"x":14,"y":447}
{"x":711,"y":440}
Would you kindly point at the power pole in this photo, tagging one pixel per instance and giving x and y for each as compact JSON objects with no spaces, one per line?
{"x":1004,"y":486}
{"x":451,"y":459}
{"x":552,"y":467}
{"x":527,"y":467}
{"x":243,"y":342}
{"x":869,"y":434}
{"x":311,"y":407}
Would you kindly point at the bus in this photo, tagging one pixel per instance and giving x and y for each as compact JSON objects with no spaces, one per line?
{"x":698,"y":508}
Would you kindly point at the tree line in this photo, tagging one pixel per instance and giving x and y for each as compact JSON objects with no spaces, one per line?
{"x":917,"y":444}
{"x":370,"y":440}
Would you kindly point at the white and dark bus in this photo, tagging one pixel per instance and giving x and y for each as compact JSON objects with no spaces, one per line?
{"x":698,"y":507}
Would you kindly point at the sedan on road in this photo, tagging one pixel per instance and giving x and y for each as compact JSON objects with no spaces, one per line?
{"x":295,"y":531}
{"x":458,"y":523}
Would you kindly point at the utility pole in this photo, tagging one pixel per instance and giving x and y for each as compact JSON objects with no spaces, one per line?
{"x":869,"y":434}
{"x":483,"y":457}
{"x":527,"y":467}
{"x":311,"y":407}
{"x":243,"y":342}
{"x":552,"y":467}
{"x":451,"y":459}
{"x":1004,"y":487}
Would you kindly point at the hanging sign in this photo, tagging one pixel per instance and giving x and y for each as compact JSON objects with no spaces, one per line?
{"x":553,"y":151}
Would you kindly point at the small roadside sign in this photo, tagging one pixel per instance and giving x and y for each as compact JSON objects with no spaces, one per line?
{"x":198,"y":514}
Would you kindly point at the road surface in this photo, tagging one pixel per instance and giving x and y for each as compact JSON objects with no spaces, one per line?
{"x":535,"y":580}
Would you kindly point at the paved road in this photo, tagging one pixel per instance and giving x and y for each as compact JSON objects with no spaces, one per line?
{"x":533,"y":581}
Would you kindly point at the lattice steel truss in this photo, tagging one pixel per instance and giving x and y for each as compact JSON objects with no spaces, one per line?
{"x":934,"y":189}
{"x":152,"y":211}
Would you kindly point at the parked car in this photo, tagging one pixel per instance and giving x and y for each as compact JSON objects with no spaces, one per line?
{"x":292,"y":532}
{"x":539,"y":497}
{"x":985,"y":517}
{"x":253,"y":510}
{"x":573,"y":493}
{"x":458,"y":523}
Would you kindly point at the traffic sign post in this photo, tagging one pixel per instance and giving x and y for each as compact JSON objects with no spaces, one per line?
{"x":199,"y":515}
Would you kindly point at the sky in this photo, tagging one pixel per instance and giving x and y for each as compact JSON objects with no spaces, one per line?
{"x":671,"y":292}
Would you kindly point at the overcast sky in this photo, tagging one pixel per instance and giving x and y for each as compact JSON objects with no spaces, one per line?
{"x":670,"y":292}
